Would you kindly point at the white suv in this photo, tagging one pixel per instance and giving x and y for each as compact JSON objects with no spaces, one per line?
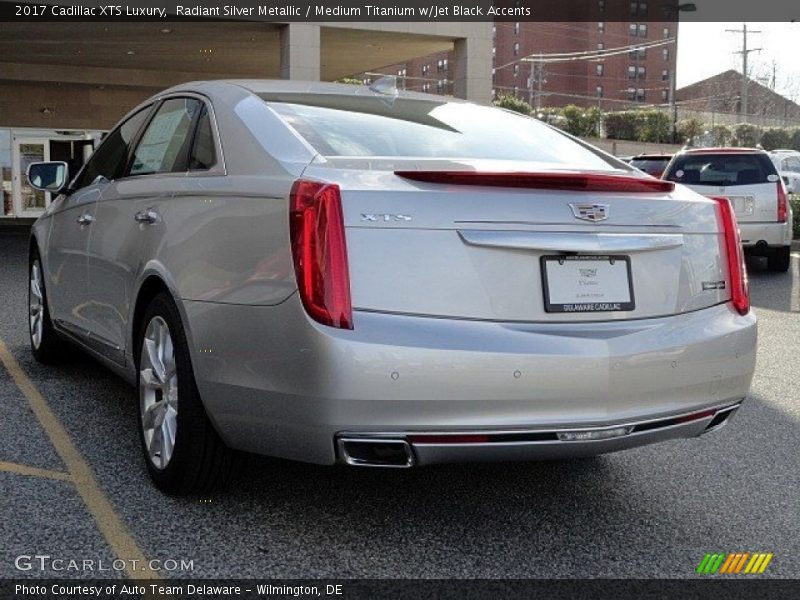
{"x":788,"y":164}
{"x":750,"y":180}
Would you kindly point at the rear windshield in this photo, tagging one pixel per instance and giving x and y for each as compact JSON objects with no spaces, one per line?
{"x":650,"y":165}
{"x":721,"y":169}
{"x":374,"y":127}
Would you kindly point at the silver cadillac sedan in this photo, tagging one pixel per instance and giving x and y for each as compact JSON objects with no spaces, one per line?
{"x":342,"y":274}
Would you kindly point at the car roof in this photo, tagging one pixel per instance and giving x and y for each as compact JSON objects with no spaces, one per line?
{"x":277,"y":87}
{"x":661,"y":155}
{"x":723,"y":151}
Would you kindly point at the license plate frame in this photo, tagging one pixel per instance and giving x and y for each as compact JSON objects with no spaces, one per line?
{"x":590,"y":306}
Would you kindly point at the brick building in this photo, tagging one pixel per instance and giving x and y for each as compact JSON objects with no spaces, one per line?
{"x":612,"y":82}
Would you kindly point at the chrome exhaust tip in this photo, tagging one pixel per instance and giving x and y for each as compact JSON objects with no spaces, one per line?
{"x":375,"y":452}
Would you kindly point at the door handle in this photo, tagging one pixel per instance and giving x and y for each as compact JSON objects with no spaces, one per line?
{"x":85,"y":219}
{"x":147,"y":216}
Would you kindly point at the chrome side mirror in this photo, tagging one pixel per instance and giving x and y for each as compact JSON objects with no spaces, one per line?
{"x":48,"y":176}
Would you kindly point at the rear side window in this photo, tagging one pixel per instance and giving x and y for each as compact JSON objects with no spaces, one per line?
{"x":164,"y":146}
{"x":203,"y":156}
{"x":403,"y":127}
{"x":722,"y":169}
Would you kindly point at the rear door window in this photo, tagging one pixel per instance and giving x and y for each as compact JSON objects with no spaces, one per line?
{"x":722,"y":169}
{"x":164,"y":147}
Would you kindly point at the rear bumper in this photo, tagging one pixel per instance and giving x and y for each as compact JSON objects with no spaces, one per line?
{"x":539,"y":444}
{"x":275,"y":383}
{"x":769,"y":234}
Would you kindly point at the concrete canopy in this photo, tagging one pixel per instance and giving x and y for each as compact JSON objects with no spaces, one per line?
{"x":88,"y":74}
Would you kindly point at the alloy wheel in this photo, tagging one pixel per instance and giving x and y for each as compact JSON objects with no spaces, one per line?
{"x":158,"y":392}
{"x":36,"y":305}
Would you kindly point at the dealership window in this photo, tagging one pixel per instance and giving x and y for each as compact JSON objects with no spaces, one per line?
{"x":516,"y":70}
{"x":632,"y":29}
{"x":641,"y":72}
{"x":401,"y":72}
{"x":599,"y":91}
{"x":665,"y":75}
{"x":665,"y":32}
{"x":162,"y":148}
{"x":631,"y":72}
{"x":642,"y":29}
{"x":425,"y":70}
{"x":516,"y":48}
{"x":640,"y":97}
{"x":601,"y":27}
{"x":600,"y":69}
{"x":665,"y":53}
{"x":631,"y":94}
{"x":109,"y":159}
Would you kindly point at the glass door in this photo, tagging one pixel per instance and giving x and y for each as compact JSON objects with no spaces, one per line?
{"x":28,"y":201}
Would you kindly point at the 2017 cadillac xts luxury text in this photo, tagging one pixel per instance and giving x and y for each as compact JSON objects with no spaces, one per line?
{"x":333,"y":273}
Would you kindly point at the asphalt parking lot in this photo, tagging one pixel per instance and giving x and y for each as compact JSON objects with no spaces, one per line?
{"x":74,"y":486}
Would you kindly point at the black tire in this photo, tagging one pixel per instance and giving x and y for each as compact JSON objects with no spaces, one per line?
{"x":780,"y":259}
{"x":200,"y":461}
{"x":50,"y":349}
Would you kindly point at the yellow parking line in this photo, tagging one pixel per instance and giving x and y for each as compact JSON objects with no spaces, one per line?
{"x":18,"y":469}
{"x":111,"y":526}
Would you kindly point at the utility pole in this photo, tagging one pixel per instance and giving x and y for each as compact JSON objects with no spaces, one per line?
{"x":537,"y":75}
{"x":744,"y":52}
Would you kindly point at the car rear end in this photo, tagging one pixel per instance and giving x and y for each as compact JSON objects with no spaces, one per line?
{"x":652,"y":164}
{"x":748,"y":178}
{"x":474,"y":285}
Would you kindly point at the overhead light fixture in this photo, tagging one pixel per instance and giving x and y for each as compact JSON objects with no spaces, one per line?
{"x":166,"y":30}
{"x":130,"y":53}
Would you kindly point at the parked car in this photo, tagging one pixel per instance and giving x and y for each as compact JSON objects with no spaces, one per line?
{"x":787,"y":162}
{"x":652,"y":164}
{"x":748,"y":178}
{"x":333,"y":273}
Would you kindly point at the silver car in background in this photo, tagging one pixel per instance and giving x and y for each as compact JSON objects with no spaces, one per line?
{"x":333,"y":273}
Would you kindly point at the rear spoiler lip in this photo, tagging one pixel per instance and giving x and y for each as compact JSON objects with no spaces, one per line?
{"x":562,"y":180}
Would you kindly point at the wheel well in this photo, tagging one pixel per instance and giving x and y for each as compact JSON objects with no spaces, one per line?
{"x":151,"y":287}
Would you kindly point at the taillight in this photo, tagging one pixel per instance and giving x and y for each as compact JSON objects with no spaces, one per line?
{"x":737,"y":275}
{"x":316,"y":227}
{"x":783,"y":203}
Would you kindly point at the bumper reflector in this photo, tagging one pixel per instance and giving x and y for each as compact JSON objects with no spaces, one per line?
{"x":602,"y":434}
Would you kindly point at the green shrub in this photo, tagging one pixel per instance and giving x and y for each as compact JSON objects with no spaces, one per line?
{"x":795,"y":143}
{"x":622,"y":125}
{"x":795,"y":200}
{"x":581,"y":121}
{"x":775,"y":137}
{"x":687,"y":129}
{"x":721,"y":135}
{"x":510,"y":102}
{"x":654,"y":126}
{"x":745,"y":135}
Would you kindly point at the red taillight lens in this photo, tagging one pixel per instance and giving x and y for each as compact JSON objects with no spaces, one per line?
{"x":783,"y":203}
{"x":737,"y":275}
{"x":581,"y":182}
{"x":320,"y":254}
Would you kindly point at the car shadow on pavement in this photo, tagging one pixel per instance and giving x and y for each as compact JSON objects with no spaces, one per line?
{"x":771,"y":290}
